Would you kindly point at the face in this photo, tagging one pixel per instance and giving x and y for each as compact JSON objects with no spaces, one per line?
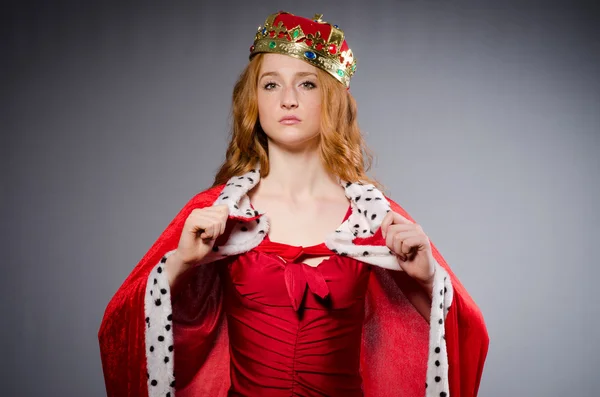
{"x":289,"y":100}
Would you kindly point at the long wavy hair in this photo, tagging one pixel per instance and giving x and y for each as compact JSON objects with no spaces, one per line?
{"x":342,"y":147}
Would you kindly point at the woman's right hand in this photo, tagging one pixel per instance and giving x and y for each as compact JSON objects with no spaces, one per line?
{"x":201,"y":229}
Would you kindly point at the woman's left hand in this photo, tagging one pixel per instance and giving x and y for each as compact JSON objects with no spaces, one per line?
{"x":411,"y":245}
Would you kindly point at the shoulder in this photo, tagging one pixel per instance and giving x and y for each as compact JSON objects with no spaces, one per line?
{"x":205,"y":198}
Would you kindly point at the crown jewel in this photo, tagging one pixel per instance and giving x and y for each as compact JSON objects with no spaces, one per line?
{"x":314,"y":41}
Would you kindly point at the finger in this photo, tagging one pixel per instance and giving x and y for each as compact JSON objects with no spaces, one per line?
{"x":215,"y":209}
{"x":398,"y":251}
{"x":385,"y":223}
{"x":400,"y":219}
{"x":207,"y":233}
{"x":399,"y":228}
{"x":394,"y":243}
{"x":199,"y":231}
{"x":211,"y":223}
{"x":407,"y":244}
{"x":397,"y":248}
{"x":205,"y":219}
{"x":414,"y":244}
{"x":224,"y":216}
{"x":223,"y":224}
{"x":392,"y":218}
{"x":389,"y":237}
{"x":222,"y":208}
{"x":398,"y":232}
{"x":215,"y":231}
{"x":402,"y":244}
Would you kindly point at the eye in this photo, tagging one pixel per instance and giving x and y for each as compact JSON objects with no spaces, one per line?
{"x":309,"y":84}
{"x":269,"y":86}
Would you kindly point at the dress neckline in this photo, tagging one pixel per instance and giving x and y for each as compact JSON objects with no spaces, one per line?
{"x":268,"y":240}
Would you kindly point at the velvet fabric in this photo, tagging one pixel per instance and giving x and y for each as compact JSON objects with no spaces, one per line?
{"x":294,"y":329}
{"x":394,"y":353}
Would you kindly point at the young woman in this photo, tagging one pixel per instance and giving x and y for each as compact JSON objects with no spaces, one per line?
{"x":294,"y":275}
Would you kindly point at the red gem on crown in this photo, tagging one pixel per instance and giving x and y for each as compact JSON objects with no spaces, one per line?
{"x":314,"y":40}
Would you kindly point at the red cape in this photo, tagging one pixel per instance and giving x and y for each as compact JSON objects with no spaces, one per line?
{"x":394,"y":355}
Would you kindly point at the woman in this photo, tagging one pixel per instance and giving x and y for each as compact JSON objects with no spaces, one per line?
{"x":336,"y":293}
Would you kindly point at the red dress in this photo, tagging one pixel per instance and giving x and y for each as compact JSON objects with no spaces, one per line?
{"x":294,"y":329}
{"x":147,"y":341}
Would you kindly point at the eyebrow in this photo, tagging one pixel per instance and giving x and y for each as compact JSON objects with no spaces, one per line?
{"x":301,"y":74}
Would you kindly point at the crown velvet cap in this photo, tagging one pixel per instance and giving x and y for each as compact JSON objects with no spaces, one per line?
{"x":312,"y":40}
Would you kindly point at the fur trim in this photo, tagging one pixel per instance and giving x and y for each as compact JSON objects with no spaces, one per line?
{"x":159,"y":332}
{"x":359,"y":237}
{"x":437,"y":362}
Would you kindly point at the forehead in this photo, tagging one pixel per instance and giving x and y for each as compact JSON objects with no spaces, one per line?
{"x":284,"y":64}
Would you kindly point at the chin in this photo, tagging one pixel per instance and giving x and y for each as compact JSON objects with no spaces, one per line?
{"x":281,"y":131}
{"x":290,"y":136}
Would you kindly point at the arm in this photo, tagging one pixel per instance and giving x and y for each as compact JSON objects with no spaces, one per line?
{"x":122,"y":332}
{"x":464,"y":330}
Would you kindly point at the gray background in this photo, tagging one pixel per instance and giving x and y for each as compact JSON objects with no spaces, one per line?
{"x":485,"y":118}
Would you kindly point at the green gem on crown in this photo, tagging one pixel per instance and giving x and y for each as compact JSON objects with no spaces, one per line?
{"x":272,"y":44}
{"x":296,"y":33}
{"x":340,"y":72}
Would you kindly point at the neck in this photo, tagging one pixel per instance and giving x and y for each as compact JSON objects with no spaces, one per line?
{"x":297,"y":174}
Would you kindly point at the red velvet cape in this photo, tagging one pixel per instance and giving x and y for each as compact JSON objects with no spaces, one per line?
{"x":394,"y":352}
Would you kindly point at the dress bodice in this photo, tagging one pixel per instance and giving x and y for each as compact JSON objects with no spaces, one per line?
{"x":295,"y":329}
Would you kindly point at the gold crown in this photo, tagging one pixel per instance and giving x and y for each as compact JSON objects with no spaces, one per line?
{"x":331,"y":55}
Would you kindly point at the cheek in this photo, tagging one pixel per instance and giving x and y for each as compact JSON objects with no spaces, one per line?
{"x":264,"y":108}
{"x":313,"y":109}
{"x":260,"y":100}
{"x":312,"y":102}
{"x":315,"y":112}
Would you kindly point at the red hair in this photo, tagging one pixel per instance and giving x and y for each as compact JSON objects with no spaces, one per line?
{"x":342,"y":148}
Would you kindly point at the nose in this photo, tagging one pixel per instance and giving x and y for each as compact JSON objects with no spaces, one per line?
{"x":289,"y":99}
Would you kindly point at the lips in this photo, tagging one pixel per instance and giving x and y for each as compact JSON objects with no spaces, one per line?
{"x":288,"y":120}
